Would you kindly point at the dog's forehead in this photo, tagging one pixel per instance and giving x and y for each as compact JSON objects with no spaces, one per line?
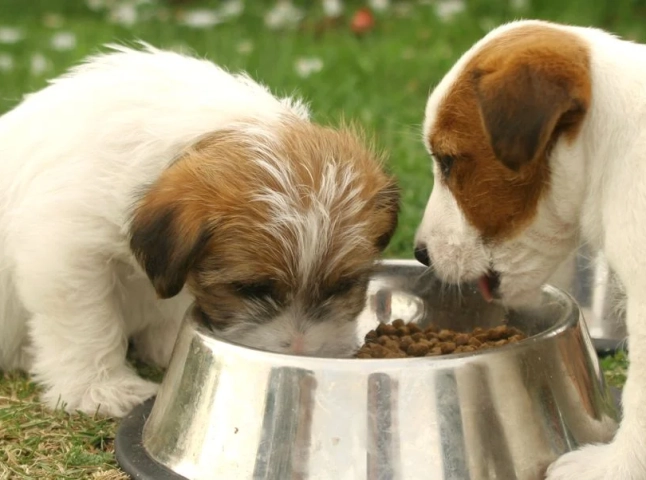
{"x":288,"y":203}
{"x":438,"y":96}
{"x":265,"y":259}
{"x":502,"y":43}
{"x":495,"y":199}
{"x":452,"y":117}
{"x":443,"y":88}
{"x":298,"y":247}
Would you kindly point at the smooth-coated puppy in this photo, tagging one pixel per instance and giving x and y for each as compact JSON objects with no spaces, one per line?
{"x":144,"y":179}
{"x":538,"y":135}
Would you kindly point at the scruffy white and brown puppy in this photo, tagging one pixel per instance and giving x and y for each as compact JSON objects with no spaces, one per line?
{"x":539,"y":138}
{"x":143,"y":179}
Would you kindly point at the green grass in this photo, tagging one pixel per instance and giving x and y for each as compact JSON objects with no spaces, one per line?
{"x":614,"y":368}
{"x":380,"y":80}
{"x":36,"y":443}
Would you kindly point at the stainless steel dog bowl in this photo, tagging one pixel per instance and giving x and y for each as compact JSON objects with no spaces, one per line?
{"x":229,"y":412}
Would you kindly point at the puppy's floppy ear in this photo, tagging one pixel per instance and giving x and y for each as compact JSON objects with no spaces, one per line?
{"x":167,"y":242}
{"x":388,"y":200}
{"x":523,"y":107}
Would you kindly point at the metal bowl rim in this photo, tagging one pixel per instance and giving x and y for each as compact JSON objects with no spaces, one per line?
{"x":569,"y":319}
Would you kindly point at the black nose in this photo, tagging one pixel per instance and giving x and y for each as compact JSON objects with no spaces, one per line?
{"x":422,"y":255}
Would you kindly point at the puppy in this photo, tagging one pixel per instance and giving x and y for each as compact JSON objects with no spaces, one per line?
{"x":142,"y":180}
{"x":538,"y":135}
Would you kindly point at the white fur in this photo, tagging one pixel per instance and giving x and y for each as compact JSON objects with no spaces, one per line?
{"x":73,"y":157}
{"x":313,"y":228}
{"x":597,"y":195}
{"x":290,"y":332}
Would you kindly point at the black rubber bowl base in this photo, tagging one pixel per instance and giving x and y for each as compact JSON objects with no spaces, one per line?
{"x":131,"y":455}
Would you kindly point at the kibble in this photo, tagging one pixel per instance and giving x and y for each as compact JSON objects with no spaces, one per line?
{"x":418,"y":336}
{"x":417,"y":350}
{"x":401,"y":340}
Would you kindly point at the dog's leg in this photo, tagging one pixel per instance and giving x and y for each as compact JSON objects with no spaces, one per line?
{"x":79,"y":358}
{"x":625,"y":457}
{"x":564,"y":275}
{"x":14,"y":352}
{"x":77,"y":330}
{"x":89,"y":375}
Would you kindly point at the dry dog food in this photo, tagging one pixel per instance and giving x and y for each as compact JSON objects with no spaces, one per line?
{"x":401,"y":340}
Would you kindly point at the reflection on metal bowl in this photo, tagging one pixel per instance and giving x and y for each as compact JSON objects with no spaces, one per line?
{"x":225,"y":411}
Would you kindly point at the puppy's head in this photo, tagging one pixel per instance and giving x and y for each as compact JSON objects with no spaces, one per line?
{"x":502,"y":127}
{"x":274,"y":229}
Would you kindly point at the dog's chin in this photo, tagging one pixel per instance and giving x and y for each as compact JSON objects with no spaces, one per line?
{"x":337,"y":349}
{"x":323,"y":338}
{"x":454,"y":274}
{"x":514,"y":295}
{"x":330,"y":349}
{"x":509,"y":292}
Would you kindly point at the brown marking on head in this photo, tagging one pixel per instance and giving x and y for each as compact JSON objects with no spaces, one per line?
{"x":209,"y":220}
{"x":494,"y":130}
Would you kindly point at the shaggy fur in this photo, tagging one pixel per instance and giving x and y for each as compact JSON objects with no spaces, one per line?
{"x":143,"y":180}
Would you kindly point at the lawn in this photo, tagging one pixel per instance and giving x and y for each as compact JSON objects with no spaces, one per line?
{"x":380,"y":79}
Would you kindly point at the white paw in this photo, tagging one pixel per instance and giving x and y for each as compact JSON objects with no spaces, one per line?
{"x":114,"y":396}
{"x":597,"y":462}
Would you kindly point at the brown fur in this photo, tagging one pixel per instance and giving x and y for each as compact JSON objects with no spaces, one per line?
{"x":200,"y":224}
{"x":516,"y":96}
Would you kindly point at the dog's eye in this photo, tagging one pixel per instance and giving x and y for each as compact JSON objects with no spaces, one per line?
{"x":255,"y":289}
{"x":341,"y":287}
{"x":445,"y":162}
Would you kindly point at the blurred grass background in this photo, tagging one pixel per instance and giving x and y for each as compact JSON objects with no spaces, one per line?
{"x":380,"y":79}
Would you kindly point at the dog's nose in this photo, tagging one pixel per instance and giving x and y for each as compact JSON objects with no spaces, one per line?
{"x":298,"y":345}
{"x":421,"y":254}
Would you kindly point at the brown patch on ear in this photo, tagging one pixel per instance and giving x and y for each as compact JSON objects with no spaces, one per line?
{"x":384,"y":206}
{"x":387,"y":200}
{"x":522,"y":98}
{"x":166,"y":243}
{"x":518,"y":95}
{"x":520,"y":121}
{"x":207,"y":222}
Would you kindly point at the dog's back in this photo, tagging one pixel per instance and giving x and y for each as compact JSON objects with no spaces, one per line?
{"x":73,"y":155}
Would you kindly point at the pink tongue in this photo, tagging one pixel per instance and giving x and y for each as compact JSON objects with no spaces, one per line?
{"x":483,"y":285}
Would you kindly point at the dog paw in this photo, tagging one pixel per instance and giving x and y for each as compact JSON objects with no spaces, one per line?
{"x":114,"y":396}
{"x":596,"y":462}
